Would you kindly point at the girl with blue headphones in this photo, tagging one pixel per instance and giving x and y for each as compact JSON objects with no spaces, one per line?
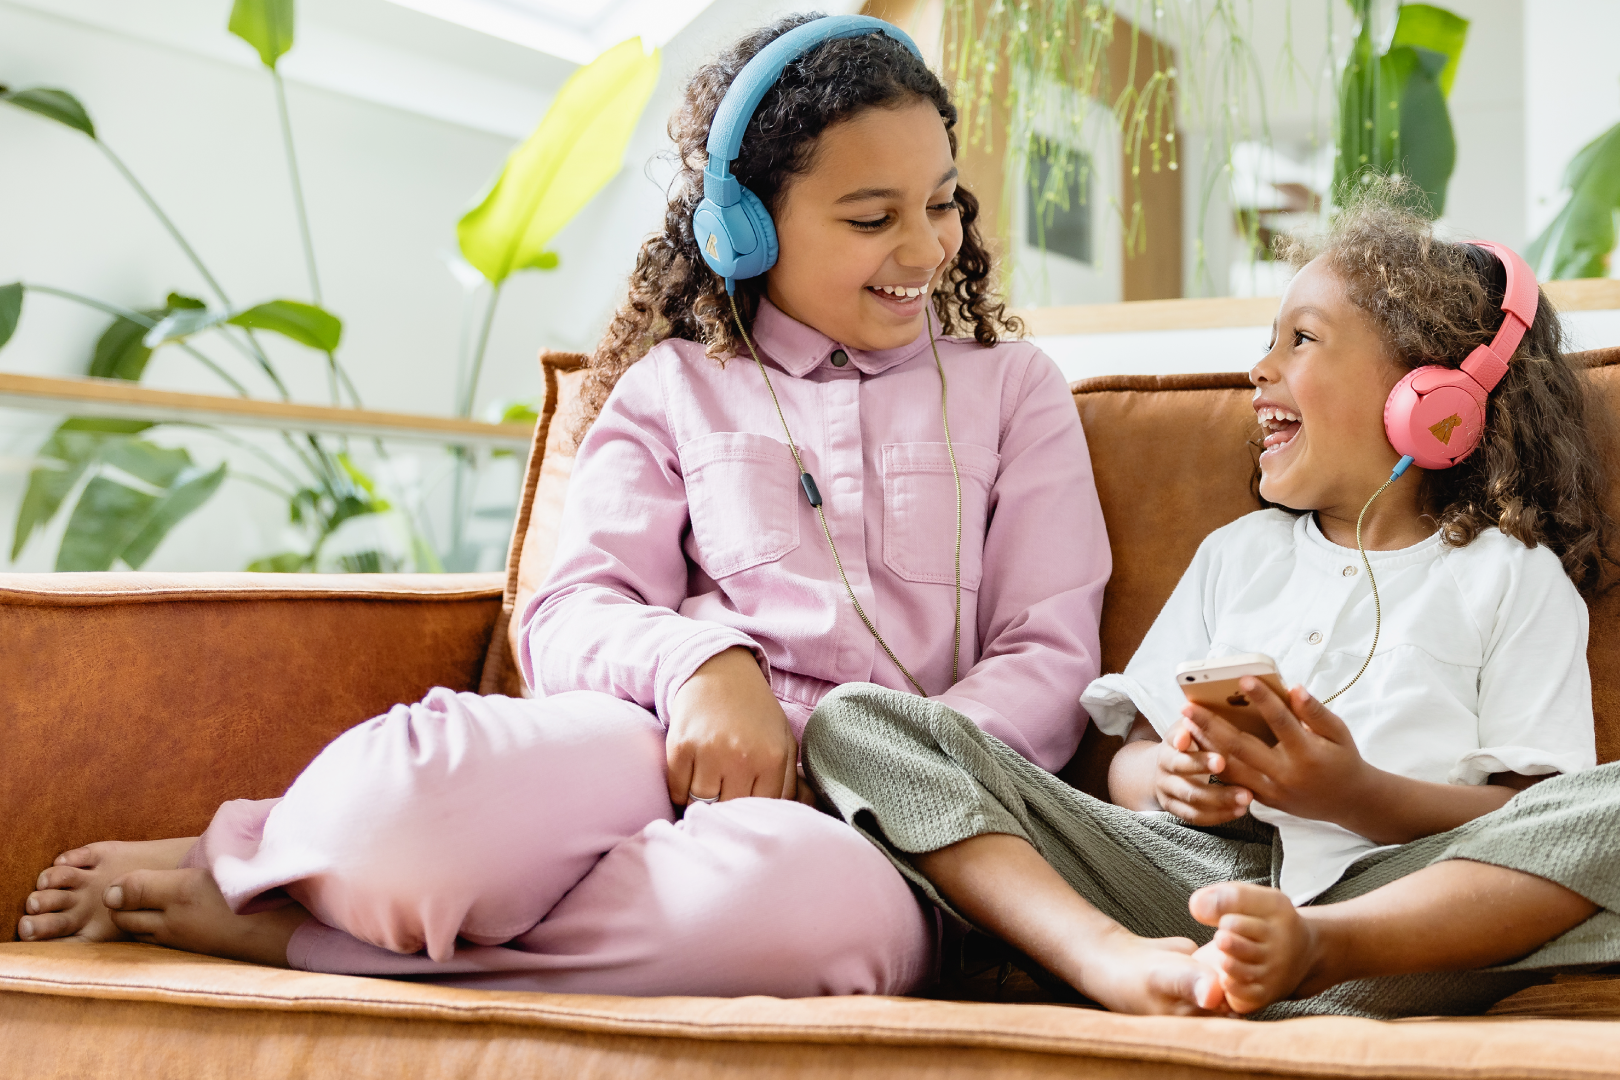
{"x":810,"y":457}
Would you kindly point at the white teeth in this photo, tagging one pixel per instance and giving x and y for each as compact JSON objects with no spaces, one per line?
{"x":1272,"y":415}
{"x":900,"y":290}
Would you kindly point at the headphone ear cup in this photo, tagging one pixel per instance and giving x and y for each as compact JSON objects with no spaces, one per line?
{"x":763,"y":257}
{"x":1436,"y":416}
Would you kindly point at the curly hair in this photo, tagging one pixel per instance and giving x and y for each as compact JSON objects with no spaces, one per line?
{"x":673,"y":293}
{"x":1539,"y":474}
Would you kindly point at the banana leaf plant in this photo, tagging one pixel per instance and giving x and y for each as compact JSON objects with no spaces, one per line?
{"x":549,"y":178}
{"x":1392,"y":105}
{"x":127,"y":492}
{"x":130,"y":491}
{"x":1579,"y":242}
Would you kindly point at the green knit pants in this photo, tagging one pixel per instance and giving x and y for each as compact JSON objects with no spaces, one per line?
{"x":913,"y":777}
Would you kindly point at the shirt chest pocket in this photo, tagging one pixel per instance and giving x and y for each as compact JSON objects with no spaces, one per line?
{"x":919,"y":510}
{"x":741,"y":492}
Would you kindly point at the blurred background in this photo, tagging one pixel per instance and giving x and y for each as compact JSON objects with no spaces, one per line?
{"x":1153,"y":164}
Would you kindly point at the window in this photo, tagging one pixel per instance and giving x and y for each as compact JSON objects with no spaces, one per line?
{"x":1057,"y":216}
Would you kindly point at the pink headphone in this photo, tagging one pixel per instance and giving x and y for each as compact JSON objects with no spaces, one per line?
{"x":1436,"y":415}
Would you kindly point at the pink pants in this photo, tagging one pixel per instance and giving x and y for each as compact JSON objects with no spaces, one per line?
{"x":531,"y":845}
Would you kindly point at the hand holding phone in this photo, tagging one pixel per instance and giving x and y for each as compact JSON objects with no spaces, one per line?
{"x":1214,"y":683}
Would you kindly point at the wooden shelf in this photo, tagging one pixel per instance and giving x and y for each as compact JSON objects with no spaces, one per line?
{"x":124,"y":400}
{"x":1591,"y":294}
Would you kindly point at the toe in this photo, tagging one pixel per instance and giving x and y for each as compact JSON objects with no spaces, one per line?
{"x":62,"y":877}
{"x":84,"y":857}
{"x":1234,"y":898}
{"x":1243,"y":937}
{"x":1188,"y":986}
{"x":143,"y":890}
{"x":44,"y":927}
{"x":48,"y":900}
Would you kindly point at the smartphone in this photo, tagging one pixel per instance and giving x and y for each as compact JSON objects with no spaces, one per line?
{"x":1213,"y":684}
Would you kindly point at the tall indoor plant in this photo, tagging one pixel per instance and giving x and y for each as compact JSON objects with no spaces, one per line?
{"x":127,"y":492}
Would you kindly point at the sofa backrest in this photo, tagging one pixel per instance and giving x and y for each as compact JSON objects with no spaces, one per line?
{"x":1172,"y":462}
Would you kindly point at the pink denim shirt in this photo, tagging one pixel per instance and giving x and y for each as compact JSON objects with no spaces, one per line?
{"x":686,"y":532}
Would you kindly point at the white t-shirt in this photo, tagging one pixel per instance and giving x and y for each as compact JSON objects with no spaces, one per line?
{"x":1480,"y":669}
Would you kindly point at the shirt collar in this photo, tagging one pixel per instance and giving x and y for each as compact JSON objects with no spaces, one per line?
{"x":799,"y":349}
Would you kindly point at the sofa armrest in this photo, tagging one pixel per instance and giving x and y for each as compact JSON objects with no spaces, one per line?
{"x":132,"y":704}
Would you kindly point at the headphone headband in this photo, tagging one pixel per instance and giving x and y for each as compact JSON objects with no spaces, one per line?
{"x":731,"y":226}
{"x":760,"y":74}
{"x":1520,"y":298}
{"x":1436,"y":414}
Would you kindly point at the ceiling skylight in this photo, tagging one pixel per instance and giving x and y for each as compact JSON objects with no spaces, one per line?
{"x":576,"y":30}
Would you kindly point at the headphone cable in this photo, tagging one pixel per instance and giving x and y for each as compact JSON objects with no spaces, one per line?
{"x":813,"y":495}
{"x":1378,"y":612}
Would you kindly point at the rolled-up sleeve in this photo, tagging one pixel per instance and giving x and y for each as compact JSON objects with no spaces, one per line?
{"x":1535,"y":689}
{"x":605,"y":619}
{"x":1046,"y":562}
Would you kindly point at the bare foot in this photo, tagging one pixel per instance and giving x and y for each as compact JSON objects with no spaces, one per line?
{"x":183,"y":909}
{"x":1130,"y":974}
{"x":68,"y":903}
{"x":1263,"y":948}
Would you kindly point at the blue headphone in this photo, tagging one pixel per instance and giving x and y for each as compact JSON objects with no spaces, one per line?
{"x":731,"y":225}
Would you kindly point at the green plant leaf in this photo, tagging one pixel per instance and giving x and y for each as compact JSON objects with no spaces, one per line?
{"x":106,"y":518}
{"x":1392,"y":108}
{"x":117,"y":520}
{"x":70,"y":450}
{"x":156,"y":465}
{"x":186,"y":494}
{"x":267,"y":25}
{"x":183,"y":323}
{"x":286,"y":562}
{"x":304,"y":323}
{"x":1425,"y":26}
{"x":58,"y":105}
{"x":1425,"y":148}
{"x":364,"y":483}
{"x":1578,"y":243}
{"x":1358,"y":142}
{"x":11,"y":298}
{"x":576,"y":149}
{"x":121,"y":351}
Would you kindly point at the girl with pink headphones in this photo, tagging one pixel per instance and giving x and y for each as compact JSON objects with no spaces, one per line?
{"x":1446,"y":815}
{"x":812,"y":458}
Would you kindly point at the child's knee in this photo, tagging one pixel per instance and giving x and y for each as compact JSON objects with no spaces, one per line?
{"x":466,"y":815}
{"x":819,"y":905}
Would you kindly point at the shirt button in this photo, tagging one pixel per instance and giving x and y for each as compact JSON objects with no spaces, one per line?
{"x":1315,"y":638}
{"x":839,"y":358}
{"x":1349,"y":571}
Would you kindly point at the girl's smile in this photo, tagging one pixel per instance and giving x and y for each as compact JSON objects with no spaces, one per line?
{"x":1280,"y":425}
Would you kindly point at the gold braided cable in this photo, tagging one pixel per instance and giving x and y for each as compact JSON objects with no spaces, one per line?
{"x":956,"y":475}
{"x":821,"y":513}
{"x":1378,"y":611}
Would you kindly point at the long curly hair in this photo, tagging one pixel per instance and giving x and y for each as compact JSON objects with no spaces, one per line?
{"x":674,"y":294}
{"x":1539,"y":474}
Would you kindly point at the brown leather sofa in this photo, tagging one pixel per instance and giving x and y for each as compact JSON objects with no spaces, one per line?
{"x":131,"y":705}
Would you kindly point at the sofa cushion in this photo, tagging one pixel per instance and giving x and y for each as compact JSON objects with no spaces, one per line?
{"x":70,"y":1009}
{"x":133,"y":704}
{"x":534,"y":533}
